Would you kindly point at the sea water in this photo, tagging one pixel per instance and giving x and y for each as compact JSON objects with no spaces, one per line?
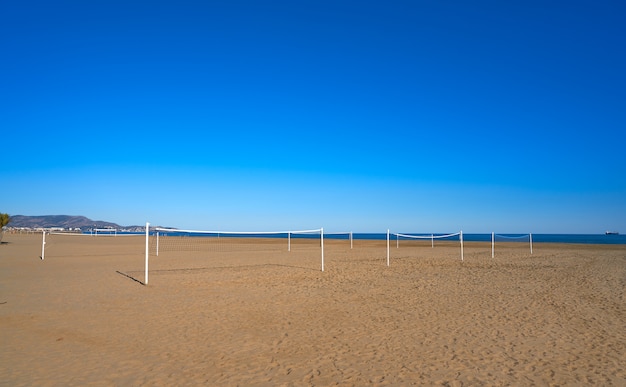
{"x":600,"y":239}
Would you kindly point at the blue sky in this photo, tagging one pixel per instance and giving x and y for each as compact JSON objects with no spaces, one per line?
{"x":421,"y":116}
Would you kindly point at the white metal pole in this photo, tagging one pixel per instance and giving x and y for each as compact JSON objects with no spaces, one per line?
{"x":388,"y":247}
{"x":43,"y":245}
{"x":157,"y":246}
{"x":350,"y":240}
{"x":432,"y":241}
{"x":461,"y":245}
{"x":322,"y":244}
{"x":493,"y":242}
{"x":531,"y":244}
{"x":397,"y":241}
{"x":147,"y":251}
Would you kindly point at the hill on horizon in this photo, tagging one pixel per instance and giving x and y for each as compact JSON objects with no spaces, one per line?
{"x":64,"y":221}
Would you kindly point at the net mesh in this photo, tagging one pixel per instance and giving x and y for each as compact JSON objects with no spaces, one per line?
{"x":415,"y":245}
{"x":426,"y":239}
{"x":68,"y":244}
{"x":189,"y":248}
{"x":500,"y":241}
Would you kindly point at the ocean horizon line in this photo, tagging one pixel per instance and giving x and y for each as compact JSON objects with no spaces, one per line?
{"x":612,"y":239}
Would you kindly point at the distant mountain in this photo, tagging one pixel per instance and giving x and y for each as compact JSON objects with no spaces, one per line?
{"x":64,"y":221}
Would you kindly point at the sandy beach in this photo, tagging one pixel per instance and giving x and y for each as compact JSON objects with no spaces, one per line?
{"x":254,"y":315}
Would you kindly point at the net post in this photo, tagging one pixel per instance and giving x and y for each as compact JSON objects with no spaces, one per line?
{"x":43,"y":245}
{"x":350,"y":240}
{"x":157,"y":244}
{"x":493,"y":237}
{"x":147,"y":252}
{"x":322,"y":245}
{"x":531,"y":243}
{"x":388,"y":247}
{"x":432,"y":241}
{"x":461,"y":233}
{"x":397,"y":241}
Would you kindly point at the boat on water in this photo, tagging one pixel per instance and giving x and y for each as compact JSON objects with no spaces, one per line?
{"x":612,"y":233}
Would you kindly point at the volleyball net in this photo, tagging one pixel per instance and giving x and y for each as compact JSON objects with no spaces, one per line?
{"x":105,"y":231}
{"x":56,"y":244}
{"x":511,"y":240}
{"x":180,"y":249}
{"x":167,"y":239}
{"x":424,"y":240}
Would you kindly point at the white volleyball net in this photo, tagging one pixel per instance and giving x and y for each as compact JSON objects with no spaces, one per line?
{"x":511,"y":241}
{"x":417,"y":244}
{"x":58,"y":244}
{"x":178,"y":249}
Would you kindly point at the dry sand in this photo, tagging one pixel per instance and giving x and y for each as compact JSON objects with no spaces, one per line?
{"x":257,"y":317}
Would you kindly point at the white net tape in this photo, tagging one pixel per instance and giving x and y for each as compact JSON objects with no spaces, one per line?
{"x":525,"y":236}
{"x":432,"y":236}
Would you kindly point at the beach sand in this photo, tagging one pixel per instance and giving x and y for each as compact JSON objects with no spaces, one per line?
{"x":254,"y":316}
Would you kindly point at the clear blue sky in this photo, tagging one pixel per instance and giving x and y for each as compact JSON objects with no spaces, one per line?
{"x":421,"y":116}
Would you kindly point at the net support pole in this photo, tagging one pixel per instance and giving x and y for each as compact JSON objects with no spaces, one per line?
{"x":397,"y":241}
{"x":531,"y":243}
{"x":461,"y":233}
{"x":322,"y":245}
{"x":432,"y":241}
{"x":145,"y":282}
{"x":157,"y":244}
{"x":493,"y":242}
{"x":350,"y":240}
{"x":388,"y":247}
{"x":43,"y":245}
